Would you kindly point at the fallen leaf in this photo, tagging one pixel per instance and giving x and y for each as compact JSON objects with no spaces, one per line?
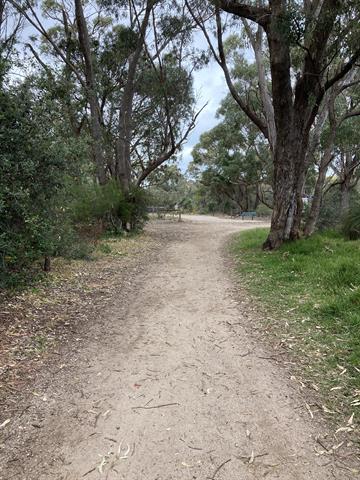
{"x":351,"y":420}
{"x":7,"y":421}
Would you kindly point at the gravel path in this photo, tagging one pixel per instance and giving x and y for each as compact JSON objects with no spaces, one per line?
{"x":172,"y":387}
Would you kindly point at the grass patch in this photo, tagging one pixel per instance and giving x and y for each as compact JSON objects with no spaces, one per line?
{"x":312,"y":288}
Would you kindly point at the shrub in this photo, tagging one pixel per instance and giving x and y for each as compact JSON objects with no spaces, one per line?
{"x":351,"y":224}
{"x":32,"y":177}
{"x":106,"y":203}
{"x":91,"y":201}
{"x":263,"y":211}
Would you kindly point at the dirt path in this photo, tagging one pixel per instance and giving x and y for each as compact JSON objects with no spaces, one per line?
{"x":173,"y":388}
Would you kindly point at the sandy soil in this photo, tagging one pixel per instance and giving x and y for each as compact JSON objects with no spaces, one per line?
{"x":171,"y":385}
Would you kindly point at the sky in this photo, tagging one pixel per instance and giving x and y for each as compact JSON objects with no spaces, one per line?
{"x":210,"y":88}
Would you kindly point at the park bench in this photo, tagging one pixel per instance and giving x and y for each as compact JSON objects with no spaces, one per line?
{"x":248,"y":215}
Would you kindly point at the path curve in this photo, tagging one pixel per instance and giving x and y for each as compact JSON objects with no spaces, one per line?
{"x":179,"y":392}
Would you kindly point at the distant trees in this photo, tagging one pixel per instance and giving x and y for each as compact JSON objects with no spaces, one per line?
{"x":232,"y":161}
{"x":334,"y":146}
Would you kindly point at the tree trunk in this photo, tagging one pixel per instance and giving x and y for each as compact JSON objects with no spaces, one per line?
{"x":320,"y":182}
{"x":286,"y":147}
{"x":123,"y":143}
{"x":257,"y":45}
{"x":345,"y":196}
{"x":288,"y":186}
{"x":284,"y":199}
{"x":316,"y":201}
{"x":95,"y":125}
{"x":47,"y":264}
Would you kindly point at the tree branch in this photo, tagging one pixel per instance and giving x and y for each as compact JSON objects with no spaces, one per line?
{"x":163,"y":157}
{"x":260,"y":15}
{"x":36,"y":23}
{"x":245,"y":107}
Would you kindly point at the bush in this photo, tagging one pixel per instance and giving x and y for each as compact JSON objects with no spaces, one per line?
{"x":107,"y":204}
{"x":351,"y":224}
{"x":330,"y":212}
{"x":91,"y":201}
{"x":263,"y":211}
{"x":32,"y":178}
{"x":42,"y":213}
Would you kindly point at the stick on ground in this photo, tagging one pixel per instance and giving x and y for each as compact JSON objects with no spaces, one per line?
{"x":219,"y":468}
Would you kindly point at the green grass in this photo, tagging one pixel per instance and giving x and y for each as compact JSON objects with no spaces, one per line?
{"x":312,"y":290}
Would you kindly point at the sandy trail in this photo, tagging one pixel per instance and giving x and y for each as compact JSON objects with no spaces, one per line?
{"x":177,"y":390}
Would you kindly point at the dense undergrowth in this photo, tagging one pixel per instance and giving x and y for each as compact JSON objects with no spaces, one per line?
{"x":77,"y":220}
{"x":312,"y":288}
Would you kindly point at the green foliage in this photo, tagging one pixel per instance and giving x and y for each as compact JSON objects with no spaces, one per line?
{"x":170,"y":187}
{"x":318,"y":280}
{"x":32,"y":178}
{"x":231,"y":162}
{"x":263,"y":211}
{"x":92,"y":202}
{"x":330,"y":210}
{"x":351,"y":225}
{"x":134,"y":210}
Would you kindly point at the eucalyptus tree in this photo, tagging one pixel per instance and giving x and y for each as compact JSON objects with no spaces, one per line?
{"x":334,"y":146}
{"x":233,"y":160}
{"x":156,"y":112}
{"x":68,"y":56}
{"x":10,"y":27}
{"x":304,"y":41}
{"x":119,"y":64}
{"x":346,"y":162}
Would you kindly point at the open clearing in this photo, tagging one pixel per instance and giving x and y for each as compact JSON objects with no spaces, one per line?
{"x":170,"y":385}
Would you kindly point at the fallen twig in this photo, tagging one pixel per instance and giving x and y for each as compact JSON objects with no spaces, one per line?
{"x":189,"y":446}
{"x":156,"y":406}
{"x":219,"y":468}
{"x":111,"y":439}
{"x":271,"y":357}
{"x":90,"y":471}
{"x":97,"y":419}
{"x":309,"y":410}
{"x":251,"y":458}
{"x":321,"y":444}
{"x":244,"y":354}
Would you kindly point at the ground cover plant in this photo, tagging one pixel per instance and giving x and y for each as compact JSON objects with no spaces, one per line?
{"x":312,"y":287}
